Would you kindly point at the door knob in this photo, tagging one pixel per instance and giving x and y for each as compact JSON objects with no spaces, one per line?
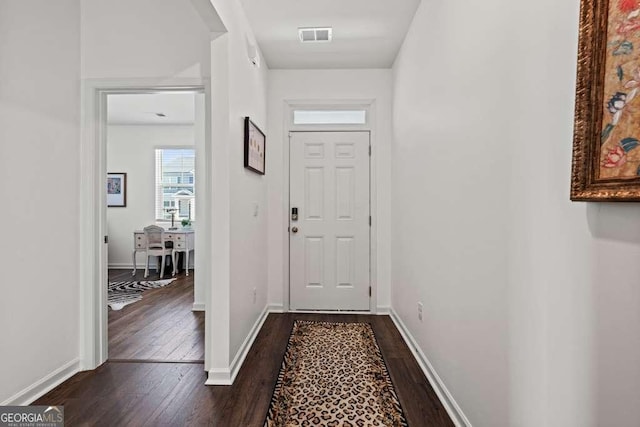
{"x":294,"y":230}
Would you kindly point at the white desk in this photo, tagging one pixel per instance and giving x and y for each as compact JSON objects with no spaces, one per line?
{"x":183,"y":241}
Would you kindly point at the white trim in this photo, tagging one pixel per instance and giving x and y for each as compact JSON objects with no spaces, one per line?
{"x":228,"y":376}
{"x":93,"y":329}
{"x":198,"y":306}
{"x":126,"y":266}
{"x":276,"y":308}
{"x":219,"y":377}
{"x":152,"y":264}
{"x":449,"y":403}
{"x":331,"y":104}
{"x":383,"y":310}
{"x":238,"y":360}
{"x":44,"y":385}
{"x":93,"y":263}
{"x":371,"y":126}
{"x":129,"y":266}
{"x":341,"y":312}
{"x":217,"y":230}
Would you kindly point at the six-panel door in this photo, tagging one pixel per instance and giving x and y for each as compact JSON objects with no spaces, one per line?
{"x":329,"y":243}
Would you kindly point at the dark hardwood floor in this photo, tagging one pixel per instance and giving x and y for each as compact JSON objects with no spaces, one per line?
{"x":174,"y":394}
{"x":160,"y":327}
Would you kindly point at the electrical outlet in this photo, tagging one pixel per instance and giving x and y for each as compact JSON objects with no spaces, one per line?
{"x":255,"y":294}
{"x":420,"y":311}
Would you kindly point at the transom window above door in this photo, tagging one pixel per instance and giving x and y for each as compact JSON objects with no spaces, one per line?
{"x":175,"y":183}
{"x":330,"y":117}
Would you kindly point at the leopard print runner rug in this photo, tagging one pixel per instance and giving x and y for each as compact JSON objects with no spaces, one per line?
{"x":333,"y":375}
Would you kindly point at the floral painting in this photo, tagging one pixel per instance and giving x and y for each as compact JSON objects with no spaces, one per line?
{"x":606,"y":152}
{"x":619,"y":153}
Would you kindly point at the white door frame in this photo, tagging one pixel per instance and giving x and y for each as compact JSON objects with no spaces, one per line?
{"x":370,"y":126}
{"x":92,"y":268}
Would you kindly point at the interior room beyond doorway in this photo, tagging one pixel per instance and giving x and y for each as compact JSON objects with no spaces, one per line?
{"x":151,"y":141}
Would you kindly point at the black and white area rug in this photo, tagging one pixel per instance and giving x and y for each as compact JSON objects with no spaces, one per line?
{"x":121,"y":294}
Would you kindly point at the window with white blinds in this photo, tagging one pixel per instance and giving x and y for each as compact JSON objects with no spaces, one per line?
{"x":175,"y":183}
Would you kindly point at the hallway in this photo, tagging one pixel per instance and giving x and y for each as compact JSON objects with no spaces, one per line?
{"x":521,"y":305}
{"x":174,"y":393}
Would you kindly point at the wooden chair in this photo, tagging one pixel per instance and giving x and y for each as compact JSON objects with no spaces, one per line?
{"x":156,"y":246}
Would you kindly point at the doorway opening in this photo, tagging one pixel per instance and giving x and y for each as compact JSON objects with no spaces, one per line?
{"x":151,"y":141}
{"x":330,"y":168}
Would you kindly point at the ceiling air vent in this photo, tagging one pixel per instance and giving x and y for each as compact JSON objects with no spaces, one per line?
{"x":315,"y":34}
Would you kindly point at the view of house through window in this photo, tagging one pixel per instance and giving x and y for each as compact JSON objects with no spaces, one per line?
{"x":175,"y":172}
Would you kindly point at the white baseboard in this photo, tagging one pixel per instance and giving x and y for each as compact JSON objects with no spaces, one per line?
{"x":383,"y":310}
{"x":121,"y":266}
{"x":228,"y":376}
{"x":276,"y":308}
{"x":140,"y":266}
{"x":453,"y":409}
{"x":342,"y":312}
{"x":219,"y":377}
{"x":198,"y":306}
{"x":44,"y":385}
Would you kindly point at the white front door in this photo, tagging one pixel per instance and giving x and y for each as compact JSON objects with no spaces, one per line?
{"x":329,"y":240}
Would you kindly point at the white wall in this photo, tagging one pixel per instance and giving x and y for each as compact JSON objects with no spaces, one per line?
{"x":39,"y":172}
{"x":238,"y":90}
{"x":167,"y":39}
{"x":326,"y":86}
{"x":450,"y":201}
{"x":130,"y":43}
{"x":531,"y":302}
{"x":131,"y":149}
{"x":143,"y":38}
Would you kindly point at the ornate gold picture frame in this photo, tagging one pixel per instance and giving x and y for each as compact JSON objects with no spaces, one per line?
{"x":606,"y":144}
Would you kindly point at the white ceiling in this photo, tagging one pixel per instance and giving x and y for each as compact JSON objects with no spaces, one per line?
{"x":366,"y":33}
{"x":140,"y":109}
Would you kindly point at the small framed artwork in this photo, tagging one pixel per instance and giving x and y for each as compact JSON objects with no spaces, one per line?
{"x":117,"y":190}
{"x":606,"y":143}
{"x":254,"y":147}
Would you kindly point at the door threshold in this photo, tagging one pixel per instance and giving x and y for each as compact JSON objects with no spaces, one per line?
{"x":330,"y":311}
{"x":189,"y":361}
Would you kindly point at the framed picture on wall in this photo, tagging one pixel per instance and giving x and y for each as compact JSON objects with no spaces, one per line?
{"x":117,"y":190}
{"x":606,"y":144}
{"x":254,"y":147}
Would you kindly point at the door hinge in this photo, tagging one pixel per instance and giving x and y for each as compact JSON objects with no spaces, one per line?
{"x":369,"y":291}
{"x":106,"y":239}
{"x":370,"y":220}
{"x":369,"y":151}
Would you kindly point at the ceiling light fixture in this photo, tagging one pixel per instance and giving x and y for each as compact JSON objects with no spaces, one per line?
{"x":315,"y":34}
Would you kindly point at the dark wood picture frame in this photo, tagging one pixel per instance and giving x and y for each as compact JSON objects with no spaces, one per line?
{"x":116,"y":190}
{"x":608,"y":50}
{"x":255,"y":144}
